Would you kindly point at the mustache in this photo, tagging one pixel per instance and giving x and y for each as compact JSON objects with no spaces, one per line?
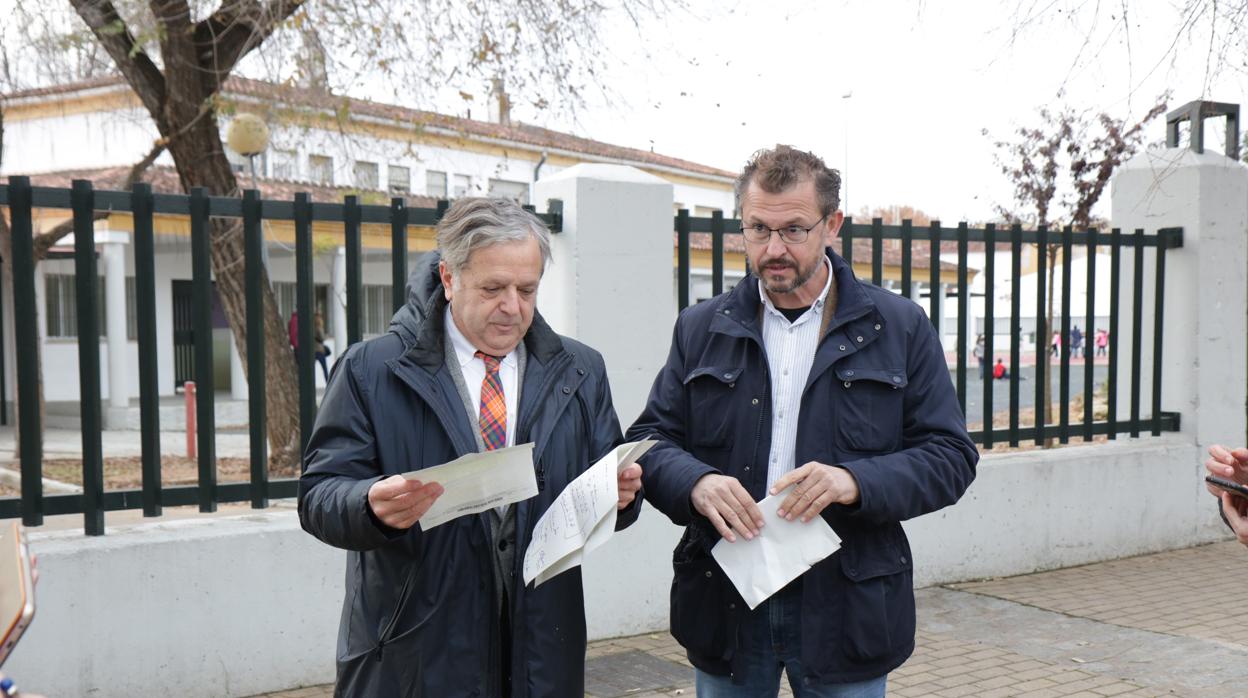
{"x":778,"y":261}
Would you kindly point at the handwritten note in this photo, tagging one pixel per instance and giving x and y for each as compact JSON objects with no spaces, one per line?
{"x":581,"y":518}
{"x":478,"y":481}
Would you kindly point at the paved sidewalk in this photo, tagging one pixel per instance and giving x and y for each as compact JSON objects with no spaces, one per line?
{"x":1169,"y":624}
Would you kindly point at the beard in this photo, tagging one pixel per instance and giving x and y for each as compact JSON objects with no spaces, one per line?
{"x":800,"y":278}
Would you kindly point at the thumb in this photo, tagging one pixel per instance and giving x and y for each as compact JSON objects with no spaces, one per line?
{"x":632,"y":472}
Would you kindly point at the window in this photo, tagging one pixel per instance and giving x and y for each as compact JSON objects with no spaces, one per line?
{"x":463,"y":184}
{"x":435,"y":184}
{"x":366,"y":176}
{"x":321,"y":169}
{"x":61,"y":300}
{"x":377,"y":310}
{"x":400,"y":179}
{"x":285,"y":165}
{"x":516,"y":191}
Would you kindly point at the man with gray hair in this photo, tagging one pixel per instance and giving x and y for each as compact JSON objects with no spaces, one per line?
{"x":468,"y":365}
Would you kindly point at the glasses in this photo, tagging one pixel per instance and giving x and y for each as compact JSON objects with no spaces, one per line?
{"x":793,"y":234}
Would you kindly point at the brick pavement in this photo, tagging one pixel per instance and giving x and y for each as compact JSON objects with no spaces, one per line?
{"x":1142,"y":626}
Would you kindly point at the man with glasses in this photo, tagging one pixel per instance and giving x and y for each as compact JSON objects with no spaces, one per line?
{"x":803,"y":377}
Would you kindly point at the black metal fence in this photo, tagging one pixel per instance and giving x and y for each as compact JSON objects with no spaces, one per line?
{"x":84,"y":201}
{"x":1010,"y":241}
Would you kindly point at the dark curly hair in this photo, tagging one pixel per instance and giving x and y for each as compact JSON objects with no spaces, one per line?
{"x":777,"y":169}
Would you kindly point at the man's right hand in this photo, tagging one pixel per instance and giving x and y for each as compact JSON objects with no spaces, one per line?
{"x":1231,"y":464}
{"x":728,"y":506}
{"x":399,"y":503}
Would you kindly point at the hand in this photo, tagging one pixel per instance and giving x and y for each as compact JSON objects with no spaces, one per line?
{"x":818,"y":485}
{"x":399,"y":503}
{"x":727,"y":505}
{"x":1231,"y":464}
{"x":1236,"y":510}
{"x":629,"y":483}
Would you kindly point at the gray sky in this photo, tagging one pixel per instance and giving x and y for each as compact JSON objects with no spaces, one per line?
{"x":926,"y":80}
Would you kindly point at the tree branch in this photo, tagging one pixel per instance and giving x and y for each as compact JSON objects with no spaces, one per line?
{"x":111,"y":31}
{"x":234,"y":30}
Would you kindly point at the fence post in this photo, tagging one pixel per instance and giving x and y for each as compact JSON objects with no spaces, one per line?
{"x":1204,"y":362}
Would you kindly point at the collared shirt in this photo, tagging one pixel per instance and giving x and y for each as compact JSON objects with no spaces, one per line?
{"x":473,"y":369}
{"x":790,"y":353}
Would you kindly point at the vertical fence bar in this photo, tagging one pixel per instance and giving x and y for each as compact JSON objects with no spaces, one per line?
{"x":1115,"y":280}
{"x":907,"y":254}
{"x":1137,"y":332}
{"x":26,"y":346}
{"x":1164,"y":242}
{"x":877,"y":251}
{"x":1089,"y":335}
{"x":717,"y":252}
{"x":201,"y":293}
{"x":1064,"y":387}
{"x":682,"y":259}
{"x":82,"y":199}
{"x":990,"y":328}
{"x":963,"y":319}
{"x":1043,"y":331}
{"x":847,"y":241}
{"x":257,"y":401}
{"x":440,"y":208}
{"x":145,"y":318}
{"x":304,"y":304}
{"x":355,"y":283}
{"x":398,"y":251}
{"x":936,"y":298}
{"x":1016,"y":310}
{"x":4,"y":388}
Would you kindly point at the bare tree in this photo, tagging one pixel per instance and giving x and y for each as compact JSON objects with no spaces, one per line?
{"x":176,"y":55}
{"x":1059,"y":170}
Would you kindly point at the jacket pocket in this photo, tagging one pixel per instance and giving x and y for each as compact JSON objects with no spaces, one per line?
{"x":868,"y":408}
{"x":711,"y":391}
{"x":698,"y":616}
{"x":879,"y":599}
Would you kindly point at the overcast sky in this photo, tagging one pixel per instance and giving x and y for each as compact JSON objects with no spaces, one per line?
{"x":927,"y":79}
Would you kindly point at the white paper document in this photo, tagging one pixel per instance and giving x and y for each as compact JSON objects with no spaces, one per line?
{"x":581,"y":518}
{"x":478,"y":481}
{"x":780,"y":552}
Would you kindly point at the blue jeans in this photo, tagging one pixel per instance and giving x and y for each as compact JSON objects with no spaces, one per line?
{"x":771,"y":643}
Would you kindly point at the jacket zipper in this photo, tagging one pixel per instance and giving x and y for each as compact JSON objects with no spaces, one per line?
{"x":404,"y":594}
{"x":527,"y":425}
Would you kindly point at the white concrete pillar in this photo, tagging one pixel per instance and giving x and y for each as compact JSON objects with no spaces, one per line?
{"x":114,"y":257}
{"x":238,"y":376}
{"x":1203,"y":353}
{"x":338,"y":302}
{"x":41,"y":306}
{"x":610,"y":286}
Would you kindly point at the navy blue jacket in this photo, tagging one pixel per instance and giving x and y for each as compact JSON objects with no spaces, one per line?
{"x":419,"y":615}
{"x":878,"y":402}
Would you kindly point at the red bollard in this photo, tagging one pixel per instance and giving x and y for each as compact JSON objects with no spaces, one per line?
{"x":189,"y":388}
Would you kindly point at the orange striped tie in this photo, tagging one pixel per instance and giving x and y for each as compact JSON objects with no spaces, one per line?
{"x":493,"y":417}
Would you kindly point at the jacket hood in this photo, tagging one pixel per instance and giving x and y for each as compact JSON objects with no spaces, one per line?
{"x":424,"y":291}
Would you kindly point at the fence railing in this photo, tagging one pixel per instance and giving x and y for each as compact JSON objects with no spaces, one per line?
{"x":84,"y":201}
{"x":1010,"y":241}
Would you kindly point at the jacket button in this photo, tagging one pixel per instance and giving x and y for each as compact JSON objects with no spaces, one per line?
{"x":727,"y":375}
{"x":708,"y":574}
{"x":567,"y":390}
{"x":502,"y":545}
{"x":896,"y":379}
{"x":732,"y":606}
{"x":754,"y":401}
{"x":877,"y":328}
{"x":842,"y":347}
{"x":580,"y":371}
{"x":747,"y":467}
{"x":732,"y":385}
{"x":903,"y":559}
{"x":849,"y":373}
{"x":847,"y":384}
{"x":860,"y":338}
{"x":728,"y":311}
{"x":852,"y":571}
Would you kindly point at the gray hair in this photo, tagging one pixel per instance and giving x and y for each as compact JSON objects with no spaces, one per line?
{"x":476,"y":222}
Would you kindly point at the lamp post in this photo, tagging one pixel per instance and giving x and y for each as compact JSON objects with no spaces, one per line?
{"x":248,"y":136}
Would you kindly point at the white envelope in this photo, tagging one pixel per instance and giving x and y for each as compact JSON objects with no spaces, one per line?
{"x":478,"y":481}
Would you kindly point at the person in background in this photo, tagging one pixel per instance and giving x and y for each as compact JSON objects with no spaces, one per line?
{"x":979,"y":352}
{"x":320,"y":351}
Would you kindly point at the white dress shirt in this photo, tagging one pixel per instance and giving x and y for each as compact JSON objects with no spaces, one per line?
{"x":473,"y":369}
{"x":790,"y":354}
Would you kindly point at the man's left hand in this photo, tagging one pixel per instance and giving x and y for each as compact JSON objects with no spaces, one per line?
{"x":629,"y":484}
{"x":818,"y":485}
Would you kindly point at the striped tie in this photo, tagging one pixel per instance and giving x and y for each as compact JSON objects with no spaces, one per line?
{"x":493,"y":417}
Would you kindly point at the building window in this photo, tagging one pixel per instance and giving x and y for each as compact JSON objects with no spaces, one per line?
{"x":435,"y":184}
{"x":377,"y":310}
{"x":463,"y":184}
{"x":400,"y":179}
{"x":321,"y":169}
{"x":704,"y":211}
{"x":285,"y":165}
{"x":516,"y":191}
{"x":60,"y":296}
{"x":366,"y":176}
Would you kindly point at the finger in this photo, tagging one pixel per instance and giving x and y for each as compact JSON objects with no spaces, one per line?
{"x":1216,"y":467}
{"x":731,"y":512}
{"x":720,"y":525}
{"x":806,"y":494}
{"x":1241,"y":455}
{"x":1221,"y":454}
{"x":746,"y":507}
{"x":632,"y":472}
{"x":816,"y":507}
{"x":394,"y":486}
{"x":789,"y":478}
